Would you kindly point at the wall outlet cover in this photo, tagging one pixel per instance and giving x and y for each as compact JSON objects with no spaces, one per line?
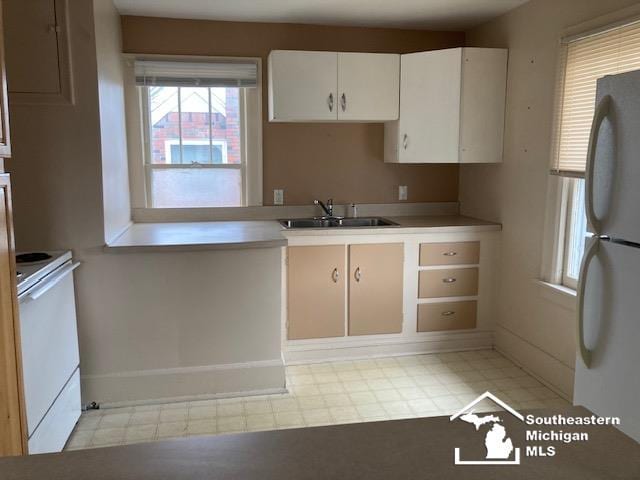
{"x":402,"y":192}
{"x":278,"y":197}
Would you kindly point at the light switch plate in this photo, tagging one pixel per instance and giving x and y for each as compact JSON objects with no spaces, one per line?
{"x":402,"y":192}
{"x":278,"y":197}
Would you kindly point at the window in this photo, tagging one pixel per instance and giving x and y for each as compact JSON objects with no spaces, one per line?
{"x":584,"y":59}
{"x":195,"y":156}
{"x":199,"y":123}
{"x":575,"y":234}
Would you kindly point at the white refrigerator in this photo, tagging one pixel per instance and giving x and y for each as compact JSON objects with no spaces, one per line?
{"x":607,"y":377}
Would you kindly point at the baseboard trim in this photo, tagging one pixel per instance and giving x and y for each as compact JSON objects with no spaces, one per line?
{"x":536,"y":362}
{"x":184,"y":383}
{"x":337,"y":351}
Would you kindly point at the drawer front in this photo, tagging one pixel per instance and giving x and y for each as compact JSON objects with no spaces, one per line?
{"x":459,"y":253}
{"x":448,"y":282}
{"x":434,"y":317}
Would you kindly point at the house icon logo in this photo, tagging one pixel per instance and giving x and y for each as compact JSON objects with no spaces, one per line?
{"x":500,"y":449}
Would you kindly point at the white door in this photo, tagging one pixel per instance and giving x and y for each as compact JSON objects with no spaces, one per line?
{"x":368,"y":86}
{"x":430,"y":107}
{"x":611,"y":385}
{"x":617,"y":159}
{"x":302,"y":86}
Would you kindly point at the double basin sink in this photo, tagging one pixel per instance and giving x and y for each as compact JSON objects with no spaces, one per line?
{"x":336,"y":222}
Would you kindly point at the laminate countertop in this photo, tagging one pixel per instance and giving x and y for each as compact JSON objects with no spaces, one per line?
{"x":419,"y":448}
{"x":269,"y":233}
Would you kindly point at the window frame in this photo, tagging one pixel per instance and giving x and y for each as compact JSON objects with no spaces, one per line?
{"x":136,"y":106}
{"x":559,"y":188}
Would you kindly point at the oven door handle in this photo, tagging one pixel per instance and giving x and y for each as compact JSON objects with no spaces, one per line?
{"x":52,"y":281}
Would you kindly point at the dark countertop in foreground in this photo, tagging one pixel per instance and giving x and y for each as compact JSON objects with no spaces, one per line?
{"x":420,"y":449}
{"x":269,"y":233}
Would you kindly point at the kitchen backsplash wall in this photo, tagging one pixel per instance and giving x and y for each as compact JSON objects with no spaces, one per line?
{"x":343,"y":161}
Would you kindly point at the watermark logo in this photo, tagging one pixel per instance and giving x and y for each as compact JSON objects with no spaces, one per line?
{"x":499,"y":447}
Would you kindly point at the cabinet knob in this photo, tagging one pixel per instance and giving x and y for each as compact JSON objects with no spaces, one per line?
{"x":449,"y":280}
{"x":335,"y":275}
{"x":405,"y":141}
{"x":330,"y":102}
{"x":357,"y":274}
{"x":343,"y":102}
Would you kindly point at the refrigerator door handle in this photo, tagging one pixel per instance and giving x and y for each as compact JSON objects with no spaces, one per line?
{"x":590,"y":252}
{"x":601,"y":111}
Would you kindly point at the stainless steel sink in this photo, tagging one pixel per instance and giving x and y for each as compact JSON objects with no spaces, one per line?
{"x":364,"y":222}
{"x":305,"y":223}
{"x":336,"y":222}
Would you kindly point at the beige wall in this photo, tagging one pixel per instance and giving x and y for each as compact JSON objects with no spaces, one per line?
{"x":343,"y":161}
{"x":115,"y":167}
{"x":150,"y":325}
{"x":534,"y":326}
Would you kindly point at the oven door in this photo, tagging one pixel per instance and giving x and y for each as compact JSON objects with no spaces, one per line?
{"x":49,"y":341}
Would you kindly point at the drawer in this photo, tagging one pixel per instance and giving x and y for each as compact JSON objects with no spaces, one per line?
{"x":459,"y":253}
{"x":448,"y":282}
{"x":434,"y":317}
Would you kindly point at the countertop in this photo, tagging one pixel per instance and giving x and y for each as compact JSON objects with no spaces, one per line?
{"x":269,"y":233}
{"x":200,"y":235}
{"x":418,"y":448}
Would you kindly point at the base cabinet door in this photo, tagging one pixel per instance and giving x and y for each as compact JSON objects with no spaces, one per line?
{"x":316,"y":291}
{"x":375,"y":288}
{"x":12,"y":432}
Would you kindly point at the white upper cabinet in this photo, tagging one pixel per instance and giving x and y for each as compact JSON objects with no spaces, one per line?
{"x":451,"y":107}
{"x":331,"y":86}
{"x":368,"y":86}
{"x":303,"y":86}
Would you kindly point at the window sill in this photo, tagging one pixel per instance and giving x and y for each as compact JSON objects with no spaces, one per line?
{"x":558,"y":294}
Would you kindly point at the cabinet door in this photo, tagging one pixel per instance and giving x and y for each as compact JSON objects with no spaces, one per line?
{"x":430,"y":107}
{"x":12,"y":432}
{"x":375,"y":288}
{"x":316,"y":291}
{"x":5,"y":141}
{"x":38,"y":60}
{"x":302,"y":86}
{"x":368,"y":86}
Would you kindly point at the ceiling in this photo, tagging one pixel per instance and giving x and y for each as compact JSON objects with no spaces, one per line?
{"x":418,"y":14}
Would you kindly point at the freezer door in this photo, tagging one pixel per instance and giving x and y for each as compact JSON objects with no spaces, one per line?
{"x":616,"y":165}
{"x":611,"y":319}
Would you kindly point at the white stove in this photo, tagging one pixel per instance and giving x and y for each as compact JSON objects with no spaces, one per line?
{"x":49,"y":348}
{"x":32,"y":267}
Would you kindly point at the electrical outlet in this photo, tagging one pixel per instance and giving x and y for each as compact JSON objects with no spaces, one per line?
{"x":278,"y":197}
{"x":402,"y":192}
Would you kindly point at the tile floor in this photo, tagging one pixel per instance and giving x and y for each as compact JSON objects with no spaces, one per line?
{"x":329,"y":393}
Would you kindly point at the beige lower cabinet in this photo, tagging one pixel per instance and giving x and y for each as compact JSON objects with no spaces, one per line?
{"x":316,"y":291}
{"x":434,"y":317}
{"x":375,"y":288}
{"x":448,"y":282}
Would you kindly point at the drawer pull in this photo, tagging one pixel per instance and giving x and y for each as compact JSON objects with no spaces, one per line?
{"x":335,"y":275}
{"x":448,"y":313}
{"x":449,"y":280}
{"x":450,"y":254}
{"x":357,"y":275}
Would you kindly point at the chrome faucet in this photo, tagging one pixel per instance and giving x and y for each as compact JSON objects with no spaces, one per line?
{"x":328,"y":208}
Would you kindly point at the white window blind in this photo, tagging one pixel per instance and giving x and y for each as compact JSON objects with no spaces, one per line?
{"x":609,"y":51}
{"x":196,"y":74}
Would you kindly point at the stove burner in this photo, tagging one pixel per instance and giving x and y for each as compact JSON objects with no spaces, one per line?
{"x":32,"y":257}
